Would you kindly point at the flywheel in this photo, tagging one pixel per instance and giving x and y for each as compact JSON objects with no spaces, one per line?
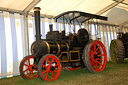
{"x":82,"y":36}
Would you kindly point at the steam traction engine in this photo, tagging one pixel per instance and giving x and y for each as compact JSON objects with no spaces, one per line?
{"x":119,"y":48}
{"x":59,"y":50}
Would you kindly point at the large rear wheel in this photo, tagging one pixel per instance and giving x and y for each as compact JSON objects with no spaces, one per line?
{"x":94,"y":56}
{"x":49,"y":67}
{"x":117,"y":51}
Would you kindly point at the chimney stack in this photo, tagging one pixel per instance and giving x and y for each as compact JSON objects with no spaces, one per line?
{"x":37,"y":22}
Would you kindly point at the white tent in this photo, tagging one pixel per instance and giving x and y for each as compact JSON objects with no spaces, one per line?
{"x":115,"y":10}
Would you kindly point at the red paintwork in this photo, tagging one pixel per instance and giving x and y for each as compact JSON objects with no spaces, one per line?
{"x":29,"y":68}
{"x":99,"y":63}
{"x":45,"y":74}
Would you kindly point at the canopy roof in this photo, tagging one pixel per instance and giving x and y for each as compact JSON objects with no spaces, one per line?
{"x":115,"y":10}
{"x":76,"y":17}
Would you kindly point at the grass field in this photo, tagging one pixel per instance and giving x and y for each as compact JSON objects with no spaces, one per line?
{"x":114,"y":74}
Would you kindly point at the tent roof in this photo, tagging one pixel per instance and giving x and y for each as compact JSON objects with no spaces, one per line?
{"x":60,"y":6}
{"x":14,"y":4}
{"x":115,"y":10}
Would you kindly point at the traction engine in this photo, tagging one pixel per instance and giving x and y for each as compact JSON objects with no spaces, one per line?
{"x":119,"y":48}
{"x":59,"y":50}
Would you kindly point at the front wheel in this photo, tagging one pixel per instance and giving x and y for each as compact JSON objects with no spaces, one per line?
{"x":26,"y":68}
{"x":94,"y":56}
{"x":49,"y":68}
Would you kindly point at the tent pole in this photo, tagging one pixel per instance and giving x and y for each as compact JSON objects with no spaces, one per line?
{"x":26,"y":34}
{"x":31,"y":5}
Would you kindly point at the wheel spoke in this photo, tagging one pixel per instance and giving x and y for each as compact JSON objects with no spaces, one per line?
{"x":44,"y":65}
{"x":28,"y":61}
{"x":29,"y":74}
{"x":48,"y":61}
{"x":90,"y":57}
{"x":55,"y":65}
{"x":54,"y":71}
{"x":91,"y":60}
{"x":25,"y":64}
{"x":33,"y":73}
{"x":43,"y":72}
{"x":51,"y":60}
{"x":25,"y":70}
{"x":101,"y":55}
{"x":91,"y":51}
{"x":98,"y":59}
{"x":94,"y":65}
{"x":52,"y":74}
{"x":99,"y":63}
{"x":97,"y":48}
{"x":97,"y":52}
{"x":46,"y":75}
{"x":93,"y":47}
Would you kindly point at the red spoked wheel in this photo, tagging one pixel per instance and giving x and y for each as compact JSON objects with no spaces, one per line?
{"x":94,"y":56}
{"x":70,"y":68}
{"x":27,"y":70}
{"x":49,"y":67}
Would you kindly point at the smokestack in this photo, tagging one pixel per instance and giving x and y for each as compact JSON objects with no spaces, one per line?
{"x":37,"y":22}
{"x":51,"y":27}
